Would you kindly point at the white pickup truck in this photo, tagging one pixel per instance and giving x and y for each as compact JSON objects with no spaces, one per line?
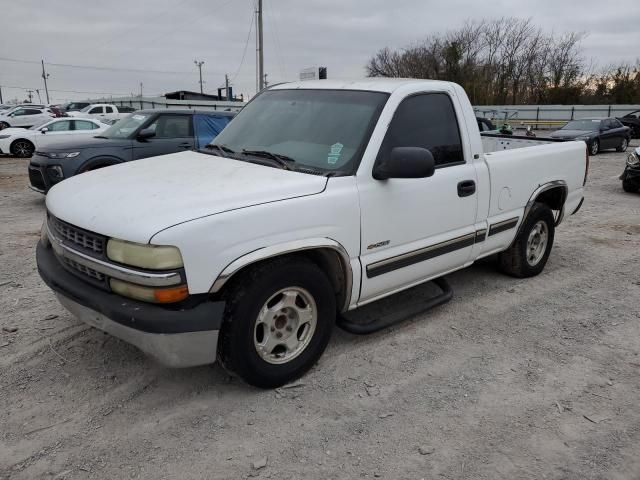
{"x":102,"y":111}
{"x":318,"y":198}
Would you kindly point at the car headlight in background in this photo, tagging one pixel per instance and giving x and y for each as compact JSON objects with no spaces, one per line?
{"x":633,"y":160}
{"x":153,"y":257}
{"x":60,"y":154}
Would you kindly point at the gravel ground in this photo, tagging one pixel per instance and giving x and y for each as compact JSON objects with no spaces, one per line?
{"x":527,"y":379}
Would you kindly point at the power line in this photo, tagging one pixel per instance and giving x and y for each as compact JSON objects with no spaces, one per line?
{"x":244,"y":50}
{"x":68,"y":91}
{"x":96,"y":67}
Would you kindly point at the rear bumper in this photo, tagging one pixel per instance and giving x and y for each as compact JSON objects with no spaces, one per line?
{"x":181,"y":336}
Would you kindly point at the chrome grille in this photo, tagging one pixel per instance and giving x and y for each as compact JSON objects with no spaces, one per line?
{"x":89,"y":272}
{"x":87,"y":241}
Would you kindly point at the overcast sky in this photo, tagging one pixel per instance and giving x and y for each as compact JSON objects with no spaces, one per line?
{"x":161,"y":39}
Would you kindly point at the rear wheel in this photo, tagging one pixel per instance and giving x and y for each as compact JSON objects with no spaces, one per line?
{"x":278,"y":321}
{"x":529,"y":253}
{"x":595,"y":147}
{"x":623,"y":145}
{"x":629,"y":186}
{"x":22,"y":148}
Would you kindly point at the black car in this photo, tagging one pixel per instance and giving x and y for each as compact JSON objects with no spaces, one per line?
{"x":146,"y":133}
{"x":631,"y":175}
{"x":632,"y":120}
{"x":598,"y":133}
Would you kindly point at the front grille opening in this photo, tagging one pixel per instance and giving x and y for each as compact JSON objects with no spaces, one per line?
{"x":87,"y":241}
{"x":89,"y":272}
{"x":36,"y":179}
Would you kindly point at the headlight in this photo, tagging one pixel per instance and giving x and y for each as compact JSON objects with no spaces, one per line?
{"x":153,"y":257}
{"x":633,"y":160}
{"x":2,"y":137}
{"x":61,"y":154}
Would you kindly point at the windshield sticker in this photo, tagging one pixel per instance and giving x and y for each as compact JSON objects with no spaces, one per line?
{"x":335,"y":151}
{"x":138,"y":117}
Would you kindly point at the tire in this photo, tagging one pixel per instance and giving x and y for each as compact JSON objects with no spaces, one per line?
{"x":519,"y":259}
{"x":629,"y":186}
{"x":594,"y":148}
{"x":623,"y":146}
{"x":267,"y":306}
{"x":22,"y":148}
{"x":4,"y":125}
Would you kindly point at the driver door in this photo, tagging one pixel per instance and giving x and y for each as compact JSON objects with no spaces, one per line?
{"x":416,"y":228}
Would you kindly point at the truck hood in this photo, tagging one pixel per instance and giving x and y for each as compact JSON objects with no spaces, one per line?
{"x":133,"y":201}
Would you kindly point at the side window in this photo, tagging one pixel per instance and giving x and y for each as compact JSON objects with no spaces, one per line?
{"x":109,"y":109}
{"x":19,"y":113}
{"x":427,"y":121}
{"x":84,"y":125}
{"x":616,"y":123}
{"x":95,"y":110}
{"x":172,"y":126}
{"x":60,"y":126}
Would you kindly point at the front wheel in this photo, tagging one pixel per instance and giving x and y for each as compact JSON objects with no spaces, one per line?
{"x":22,"y":148}
{"x":529,"y":252}
{"x":278,"y":321}
{"x":594,"y":148}
{"x":623,"y":146}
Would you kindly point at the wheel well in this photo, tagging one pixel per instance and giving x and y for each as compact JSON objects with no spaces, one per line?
{"x":98,"y":163}
{"x":327,"y":259}
{"x":21,"y":140}
{"x":553,"y":198}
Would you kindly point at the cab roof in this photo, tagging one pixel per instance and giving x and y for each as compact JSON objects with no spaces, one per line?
{"x":379,"y":84}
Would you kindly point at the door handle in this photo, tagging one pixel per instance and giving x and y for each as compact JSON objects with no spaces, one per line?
{"x":466,"y":188}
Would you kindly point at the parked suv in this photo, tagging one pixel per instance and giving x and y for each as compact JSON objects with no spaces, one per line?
{"x":26,"y":116}
{"x":146,"y":133}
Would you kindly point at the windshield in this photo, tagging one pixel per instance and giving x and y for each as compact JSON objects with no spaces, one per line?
{"x":325,"y":130}
{"x":86,"y":109}
{"x":125,"y":127}
{"x":587,"y":125}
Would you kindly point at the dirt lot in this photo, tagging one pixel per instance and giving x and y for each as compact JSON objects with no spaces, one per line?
{"x":513,"y":379}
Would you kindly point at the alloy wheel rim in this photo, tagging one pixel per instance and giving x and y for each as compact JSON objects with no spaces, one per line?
{"x":623,"y":147}
{"x":537,"y":243}
{"x":22,"y":148}
{"x":594,"y":148}
{"x":285,"y":325}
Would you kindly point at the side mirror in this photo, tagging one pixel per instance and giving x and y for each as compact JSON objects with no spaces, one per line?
{"x":145,"y":133}
{"x":405,"y":162}
{"x":44,"y":129}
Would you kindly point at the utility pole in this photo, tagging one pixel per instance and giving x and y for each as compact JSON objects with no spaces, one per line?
{"x":260,"y":47}
{"x":199,"y":65}
{"x":140,"y":89}
{"x":30,"y":93}
{"x":39,"y":97}
{"x":45,"y":75}
{"x":226,"y":86}
{"x":265,"y":83}
{"x":0,"y":93}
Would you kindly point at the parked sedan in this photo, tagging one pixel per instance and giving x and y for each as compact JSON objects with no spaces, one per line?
{"x":146,"y":133}
{"x":632,"y":120}
{"x":598,"y":133}
{"x":22,"y":142}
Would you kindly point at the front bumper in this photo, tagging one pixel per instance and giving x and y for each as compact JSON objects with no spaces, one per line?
{"x":631,"y":174}
{"x":183,"y":336}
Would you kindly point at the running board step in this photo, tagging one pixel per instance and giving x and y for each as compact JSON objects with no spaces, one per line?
{"x":399,"y":314}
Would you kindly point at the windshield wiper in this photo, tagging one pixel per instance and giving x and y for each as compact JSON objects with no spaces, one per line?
{"x":282,"y":160}
{"x":223,"y":148}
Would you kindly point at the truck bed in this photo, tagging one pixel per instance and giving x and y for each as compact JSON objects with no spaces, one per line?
{"x":494,"y":142}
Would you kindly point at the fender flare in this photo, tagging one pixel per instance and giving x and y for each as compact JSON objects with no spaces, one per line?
{"x":287,"y":248}
{"x":107,"y":161}
{"x":544,"y":188}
